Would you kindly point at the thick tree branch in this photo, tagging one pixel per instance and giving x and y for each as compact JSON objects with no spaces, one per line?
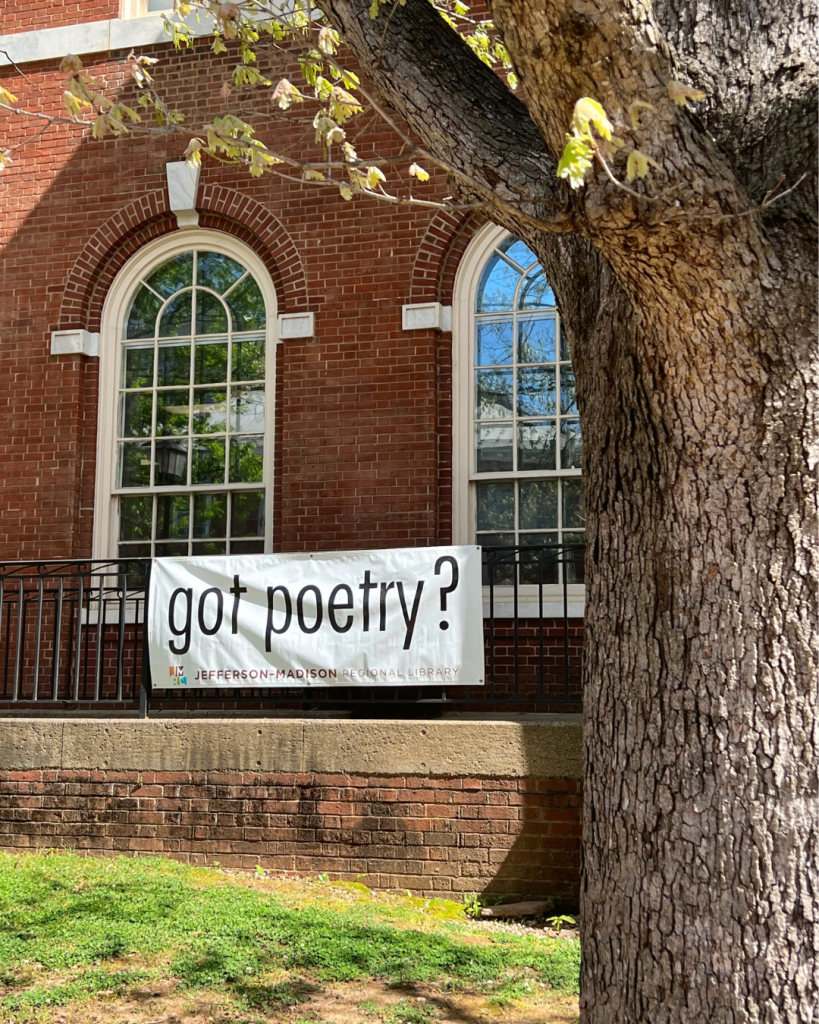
{"x":456,"y":105}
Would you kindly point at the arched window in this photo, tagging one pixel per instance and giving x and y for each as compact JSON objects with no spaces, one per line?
{"x":518,"y":465}
{"x":188,"y":374}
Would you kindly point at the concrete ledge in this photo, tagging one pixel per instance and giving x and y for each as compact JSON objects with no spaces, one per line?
{"x":534,"y":746}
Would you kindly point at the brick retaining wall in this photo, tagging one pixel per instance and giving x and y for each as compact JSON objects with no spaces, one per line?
{"x":434,"y":835}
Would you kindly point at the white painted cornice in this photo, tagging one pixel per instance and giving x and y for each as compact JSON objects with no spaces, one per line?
{"x":92,"y":37}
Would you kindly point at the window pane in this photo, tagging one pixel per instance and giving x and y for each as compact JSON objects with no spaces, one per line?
{"x":208,"y":462}
{"x":173,"y":365}
{"x":496,"y":506}
{"x":536,"y":292}
{"x":536,"y":391}
{"x":247,"y":306}
{"x":494,"y":343}
{"x":211,"y":315}
{"x":135,"y":464}
{"x":493,"y":394}
{"x":536,"y":445}
{"x":247,"y":514}
{"x":571,"y":445}
{"x":565,"y":352}
{"x":216,"y":271}
{"x":519,"y":252}
{"x":171,"y":463}
{"x":172,"y":412}
{"x":210,"y":362}
{"x":536,"y":340}
{"x":496,"y":292}
{"x":574,"y":512}
{"x":247,"y":547}
{"x":135,"y":518}
{"x":209,"y":515}
{"x":493,"y":448}
{"x":498,"y":566}
{"x":246,"y":460}
{"x":172,"y":516}
{"x":135,"y":414}
{"x":247,"y":408}
{"x":568,"y":399}
{"x":135,"y":551}
{"x":538,"y":504}
{"x":209,"y":547}
{"x":575,"y":558}
{"x":541,"y":565}
{"x":248,"y":359}
{"x":142,"y":317}
{"x":176,"y":273}
{"x":172,"y":549}
{"x":209,"y":411}
{"x":176,"y":320}
{"x":138,"y":367}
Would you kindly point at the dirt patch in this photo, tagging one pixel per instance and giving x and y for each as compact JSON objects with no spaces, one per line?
{"x":303,"y":1001}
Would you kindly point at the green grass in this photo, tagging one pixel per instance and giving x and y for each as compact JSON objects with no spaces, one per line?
{"x":83,"y":919}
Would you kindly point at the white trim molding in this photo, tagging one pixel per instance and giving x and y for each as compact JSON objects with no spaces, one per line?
{"x":183,"y":184}
{"x":93,"y":37}
{"x":426,"y":316}
{"x":296,"y":325}
{"x":75,"y":342}
{"x":114,"y":313}
{"x":464,"y":293}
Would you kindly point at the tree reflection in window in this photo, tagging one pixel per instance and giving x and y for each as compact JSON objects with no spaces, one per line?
{"x":526,"y":430}
{"x":192,"y":409}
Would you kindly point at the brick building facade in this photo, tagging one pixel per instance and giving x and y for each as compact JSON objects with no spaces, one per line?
{"x":369,"y":413}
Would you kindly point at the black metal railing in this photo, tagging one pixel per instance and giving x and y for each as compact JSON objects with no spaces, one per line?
{"x":73,"y":638}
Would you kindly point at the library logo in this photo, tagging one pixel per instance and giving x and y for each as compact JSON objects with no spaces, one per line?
{"x":175,"y":672}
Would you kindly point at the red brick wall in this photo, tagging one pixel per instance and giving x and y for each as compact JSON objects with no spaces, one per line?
{"x":364,"y":413}
{"x":518,"y":837}
{"x":23,"y":16}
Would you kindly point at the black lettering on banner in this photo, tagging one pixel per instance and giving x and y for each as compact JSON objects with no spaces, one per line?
{"x":300,"y":609}
{"x":333,"y":606}
{"x":409,"y":619}
{"x":366,"y":586}
{"x":236,"y":590}
{"x":453,"y":583}
{"x":385,"y":589}
{"x":218,"y":623}
{"x":288,"y":614}
{"x":186,"y":629}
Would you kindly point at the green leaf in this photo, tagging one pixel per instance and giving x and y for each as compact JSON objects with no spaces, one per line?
{"x":679,"y":92}
{"x":635,"y":110}
{"x":418,"y":172}
{"x":374,"y":177}
{"x":637,"y":165}
{"x":589,"y":112}
{"x":575,"y":162}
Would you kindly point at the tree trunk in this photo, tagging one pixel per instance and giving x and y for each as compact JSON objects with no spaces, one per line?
{"x":692,"y":318}
{"x":699,"y":886}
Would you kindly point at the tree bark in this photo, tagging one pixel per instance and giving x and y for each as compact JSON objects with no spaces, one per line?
{"x":693,"y":325}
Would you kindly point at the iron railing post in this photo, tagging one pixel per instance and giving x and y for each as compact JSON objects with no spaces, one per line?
{"x":145,"y":680}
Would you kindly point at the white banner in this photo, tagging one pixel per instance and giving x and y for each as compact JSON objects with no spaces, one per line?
{"x":396,"y":617}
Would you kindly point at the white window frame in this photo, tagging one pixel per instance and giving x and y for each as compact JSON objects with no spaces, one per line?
{"x":465,"y":291}
{"x":115,"y":310}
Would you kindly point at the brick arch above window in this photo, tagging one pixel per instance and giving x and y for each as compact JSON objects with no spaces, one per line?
{"x":440,"y":252}
{"x":147,"y":218}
